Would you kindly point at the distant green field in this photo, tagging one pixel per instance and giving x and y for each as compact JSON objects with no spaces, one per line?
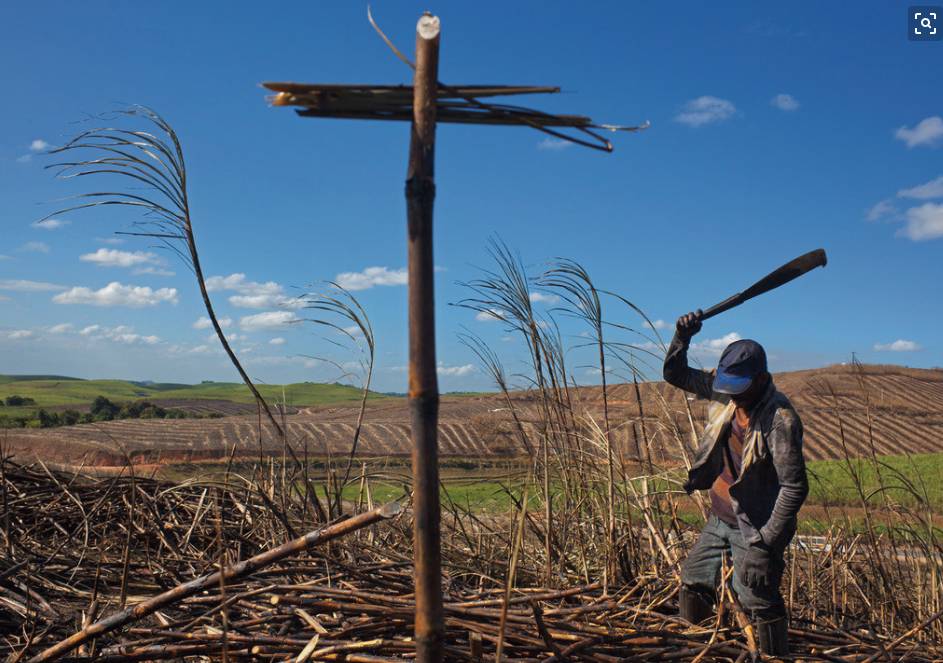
{"x":833,"y":481}
{"x":50,"y":391}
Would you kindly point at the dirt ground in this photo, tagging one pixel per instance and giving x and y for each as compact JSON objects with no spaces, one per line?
{"x":887,"y":409}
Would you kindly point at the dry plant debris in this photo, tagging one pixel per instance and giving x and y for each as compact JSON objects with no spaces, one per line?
{"x":77,"y":548}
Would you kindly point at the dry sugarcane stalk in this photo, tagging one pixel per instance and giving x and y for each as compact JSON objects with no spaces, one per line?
{"x":423,"y":381}
{"x":233,"y":572}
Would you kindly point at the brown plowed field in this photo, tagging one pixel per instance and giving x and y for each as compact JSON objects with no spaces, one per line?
{"x":895,"y":409}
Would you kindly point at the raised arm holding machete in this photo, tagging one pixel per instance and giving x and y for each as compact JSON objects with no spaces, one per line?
{"x":750,"y":459}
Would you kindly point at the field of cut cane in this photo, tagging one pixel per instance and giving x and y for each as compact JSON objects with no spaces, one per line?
{"x":876,"y":410}
{"x":78,"y":549}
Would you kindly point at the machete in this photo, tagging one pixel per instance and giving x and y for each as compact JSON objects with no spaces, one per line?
{"x":791,"y":270}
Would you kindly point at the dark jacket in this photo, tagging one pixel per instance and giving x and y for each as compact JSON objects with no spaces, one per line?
{"x":772,"y":485}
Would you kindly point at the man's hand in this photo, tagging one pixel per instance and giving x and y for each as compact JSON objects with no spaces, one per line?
{"x":755,"y":567}
{"x":689,"y":324}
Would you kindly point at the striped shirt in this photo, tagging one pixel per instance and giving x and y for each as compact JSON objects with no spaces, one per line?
{"x":721,"y":505}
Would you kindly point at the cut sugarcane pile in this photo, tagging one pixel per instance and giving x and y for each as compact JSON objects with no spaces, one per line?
{"x":75,"y":548}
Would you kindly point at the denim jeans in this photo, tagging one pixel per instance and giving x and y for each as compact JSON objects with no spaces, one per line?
{"x":701,"y":570}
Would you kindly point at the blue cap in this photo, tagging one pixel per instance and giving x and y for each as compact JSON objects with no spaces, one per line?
{"x":742,"y":362}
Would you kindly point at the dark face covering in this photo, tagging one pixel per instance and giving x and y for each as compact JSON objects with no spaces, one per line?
{"x":751,"y":396}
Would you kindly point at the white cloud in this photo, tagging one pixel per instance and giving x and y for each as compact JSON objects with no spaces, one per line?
{"x":924,"y":222}
{"x":267,"y":320}
{"x":121,"y":334}
{"x":204,"y":323}
{"x":370,"y":277}
{"x":20,"y":335}
{"x":278,"y":340}
{"x":659,"y":324}
{"x":900,"y":345}
{"x":544,"y":298}
{"x":18,"y":285}
{"x":239,"y":283}
{"x":115,"y":258}
{"x":713,"y":347}
{"x":230,"y":336}
{"x":927,"y":132}
{"x":135,"y":339}
{"x":654,"y":347}
{"x":932,"y":189}
{"x":3,"y":257}
{"x":114,"y":241}
{"x":126,"y":335}
{"x":50,"y":224}
{"x":266,"y":301}
{"x":117,"y":294}
{"x":272,"y":360}
{"x":455,"y":371}
{"x":554,"y":144}
{"x":705,"y":110}
{"x":38,"y":145}
{"x":252,"y":294}
{"x":883,"y":210}
{"x":153,"y":271}
{"x":35,"y":247}
{"x":784,"y":102}
{"x":489,"y":316}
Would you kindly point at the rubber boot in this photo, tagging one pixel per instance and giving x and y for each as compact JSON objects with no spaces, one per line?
{"x":694,"y":606}
{"x":773,"y":635}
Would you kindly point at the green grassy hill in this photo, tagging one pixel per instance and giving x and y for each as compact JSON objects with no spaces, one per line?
{"x":51,"y":391}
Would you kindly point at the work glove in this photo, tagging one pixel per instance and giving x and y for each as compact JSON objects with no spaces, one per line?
{"x":689,"y":324}
{"x":755,"y":567}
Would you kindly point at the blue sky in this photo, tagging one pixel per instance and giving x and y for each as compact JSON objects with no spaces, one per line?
{"x":775,"y":129}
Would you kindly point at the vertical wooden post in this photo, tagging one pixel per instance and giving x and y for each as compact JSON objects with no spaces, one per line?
{"x":423,"y":383}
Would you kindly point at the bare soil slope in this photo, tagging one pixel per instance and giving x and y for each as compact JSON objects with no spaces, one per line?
{"x":889,"y":409}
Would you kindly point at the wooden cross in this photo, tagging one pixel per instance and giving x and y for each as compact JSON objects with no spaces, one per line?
{"x":424,"y":103}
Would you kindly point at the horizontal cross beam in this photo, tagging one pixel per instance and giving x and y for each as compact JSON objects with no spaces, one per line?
{"x":289,"y":94}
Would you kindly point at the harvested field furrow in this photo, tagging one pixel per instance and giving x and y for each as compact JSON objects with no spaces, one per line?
{"x":379,"y":439}
{"x":883,"y":444}
{"x":472,"y":441}
{"x":903,"y":391}
{"x":910,"y":437}
{"x":468,"y":439}
{"x":391,"y":438}
{"x":464,"y":444}
{"x":856,"y":442}
{"x":825,"y":429}
{"x":318,"y":433}
{"x":482,"y":426}
{"x":447,"y":442}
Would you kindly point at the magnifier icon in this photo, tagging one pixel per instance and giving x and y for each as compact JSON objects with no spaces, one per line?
{"x":925,"y":23}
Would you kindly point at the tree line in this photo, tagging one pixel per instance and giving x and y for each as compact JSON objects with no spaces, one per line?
{"x":102,"y":409}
